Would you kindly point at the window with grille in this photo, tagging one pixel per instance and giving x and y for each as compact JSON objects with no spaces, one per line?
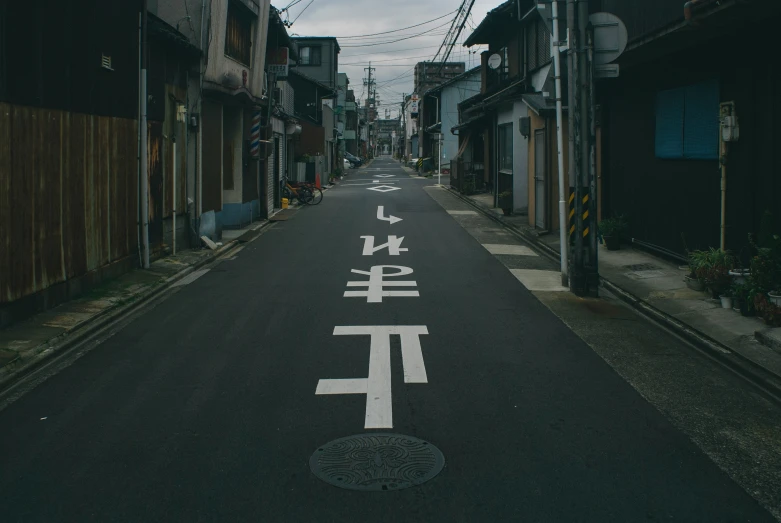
{"x":238,"y":35}
{"x":309,"y":55}
{"x":537,"y":45}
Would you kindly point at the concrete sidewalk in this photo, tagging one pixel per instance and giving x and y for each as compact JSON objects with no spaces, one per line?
{"x":29,"y":343}
{"x":655,"y":287}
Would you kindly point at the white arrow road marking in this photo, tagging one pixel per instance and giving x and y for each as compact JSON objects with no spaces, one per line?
{"x":377,"y":387}
{"x":384,"y":188}
{"x":381,"y":215}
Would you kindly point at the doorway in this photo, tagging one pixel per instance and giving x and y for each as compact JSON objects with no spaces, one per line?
{"x":277,"y":166}
{"x":540,"y":180}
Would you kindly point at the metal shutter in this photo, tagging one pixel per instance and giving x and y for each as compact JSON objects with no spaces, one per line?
{"x":701,"y":121}
{"x":669,"y":123}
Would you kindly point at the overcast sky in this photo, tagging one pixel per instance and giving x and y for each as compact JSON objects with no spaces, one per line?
{"x":393,"y":61}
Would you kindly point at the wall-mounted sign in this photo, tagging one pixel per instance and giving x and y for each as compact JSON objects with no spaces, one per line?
{"x":277,"y":62}
{"x":413,"y":105}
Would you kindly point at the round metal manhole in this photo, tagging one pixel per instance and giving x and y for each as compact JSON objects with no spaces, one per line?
{"x":377,"y":462}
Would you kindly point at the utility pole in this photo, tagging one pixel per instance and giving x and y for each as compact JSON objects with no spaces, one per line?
{"x":370,"y":100}
{"x":584,"y":275}
{"x":144,"y":160}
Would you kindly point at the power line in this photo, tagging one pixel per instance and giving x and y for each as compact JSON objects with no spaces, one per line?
{"x":397,"y":40}
{"x":302,"y":12}
{"x":397,"y":30}
{"x":390,"y":51}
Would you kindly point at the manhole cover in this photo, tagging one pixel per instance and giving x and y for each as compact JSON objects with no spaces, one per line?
{"x":377,"y":462}
{"x":642,"y":267}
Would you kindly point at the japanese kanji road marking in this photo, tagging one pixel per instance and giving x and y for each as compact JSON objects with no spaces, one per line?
{"x":393,"y":245}
{"x":377,"y":386}
{"x":375,"y":291}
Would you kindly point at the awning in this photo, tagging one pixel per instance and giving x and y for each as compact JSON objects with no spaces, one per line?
{"x":469,"y":123}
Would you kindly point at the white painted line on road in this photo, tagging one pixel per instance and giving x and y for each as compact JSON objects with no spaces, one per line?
{"x":384,"y":175}
{"x":384,"y":188}
{"x":377,"y":386}
{"x":393,"y":245}
{"x":517,"y":250}
{"x":381,"y":215}
{"x":370,"y":183}
{"x":376,"y":181}
{"x":342,"y":386}
{"x":412,"y":354}
{"x":376,"y":284}
{"x":536,"y":280}
{"x":190,"y":277}
{"x":463,"y":213}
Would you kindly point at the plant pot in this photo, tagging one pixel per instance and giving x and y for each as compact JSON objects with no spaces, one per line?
{"x":694,"y":284}
{"x":726,"y":302}
{"x":612,"y":243}
{"x":739,"y":275}
{"x":744,"y":309}
{"x":774,"y":297}
{"x":507,"y":212}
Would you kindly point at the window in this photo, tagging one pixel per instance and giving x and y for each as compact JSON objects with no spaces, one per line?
{"x":687,"y":122}
{"x":309,"y":55}
{"x":238,"y":35}
{"x":538,"y":50}
{"x":506,"y":147}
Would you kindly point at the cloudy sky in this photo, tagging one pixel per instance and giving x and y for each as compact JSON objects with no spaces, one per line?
{"x":349,"y":20}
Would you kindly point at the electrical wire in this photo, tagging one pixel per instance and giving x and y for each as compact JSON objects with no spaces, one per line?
{"x":302,"y":12}
{"x":397,"y":30}
{"x":397,"y":40}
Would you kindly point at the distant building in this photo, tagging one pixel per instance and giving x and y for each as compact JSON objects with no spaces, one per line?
{"x":431,"y":74}
{"x":318,"y":58}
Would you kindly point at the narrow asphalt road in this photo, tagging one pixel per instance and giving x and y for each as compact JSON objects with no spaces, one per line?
{"x":204,"y":408}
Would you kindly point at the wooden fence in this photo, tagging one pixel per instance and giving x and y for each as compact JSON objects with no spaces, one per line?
{"x":68,"y":196}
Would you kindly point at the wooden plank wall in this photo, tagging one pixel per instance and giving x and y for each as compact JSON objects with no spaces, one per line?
{"x":68,"y":199}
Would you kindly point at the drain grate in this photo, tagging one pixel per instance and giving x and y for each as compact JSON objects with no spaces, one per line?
{"x":377,"y":462}
{"x":639,"y":267}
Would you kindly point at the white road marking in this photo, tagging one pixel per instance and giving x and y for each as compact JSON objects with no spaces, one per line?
{"x":376,"y":181}
{"x":375,"y":291}
{"x":393,"y":245}
{"x":536,"y":280}
{"x":390,"y":218}
{"x":190,"y":277}
{"x":518,"y":250}
{"x":377,"y":386}
{"x":342,"y":386}
{"x":361,"y":184}
{"x":462,"y":213}
{"x":384,"y":175}
{"x":384,"y":188}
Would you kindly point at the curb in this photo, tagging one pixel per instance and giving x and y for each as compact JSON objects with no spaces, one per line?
{"x":768,"y":341}
{"x":761,"y":378}
{"x":62,"y":343}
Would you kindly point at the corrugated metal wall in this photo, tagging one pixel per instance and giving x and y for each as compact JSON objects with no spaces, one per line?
{"x":68,"y":196}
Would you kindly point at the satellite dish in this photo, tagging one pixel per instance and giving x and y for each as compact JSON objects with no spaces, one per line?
{"x":494,"y":61}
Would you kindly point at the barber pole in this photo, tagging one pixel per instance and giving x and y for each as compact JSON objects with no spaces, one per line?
{"x":255,"y":135}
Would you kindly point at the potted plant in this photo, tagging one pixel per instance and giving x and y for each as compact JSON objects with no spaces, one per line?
{"x":726,"y":300}
{"x":741,"y":293}
{"x":693,"y":280}
{"x":716,"y":271}
{"x":611,"y":230}
{"x":506,"y":202}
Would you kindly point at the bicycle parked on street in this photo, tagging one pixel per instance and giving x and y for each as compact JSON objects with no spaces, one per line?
{"x":304,"y":192}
